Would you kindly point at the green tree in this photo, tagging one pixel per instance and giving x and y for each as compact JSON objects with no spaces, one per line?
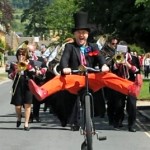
{"x":20,"y":4}
{"x":43,"y":15}
{"x":59,"y":15}
{"x":6,"y":11}
{"x":34,"y":17}
{"x":144,"y":23}
{"x":146,"y":3}
{"x":127,"y":19}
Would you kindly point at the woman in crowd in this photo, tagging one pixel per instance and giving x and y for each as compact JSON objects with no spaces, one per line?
{"x":21,"y":72}
{"x":146,"y":63}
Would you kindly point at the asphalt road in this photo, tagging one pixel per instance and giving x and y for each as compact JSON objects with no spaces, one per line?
{"x":49,"y":135}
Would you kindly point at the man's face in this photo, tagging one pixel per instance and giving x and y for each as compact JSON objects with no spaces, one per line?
{"x":43,"y":48}
{"x":31,"y":47}
{"x":21,"y":57}
{"x":113,"y":43}
{"x":8,"y":27}
{"x":81,"y":36}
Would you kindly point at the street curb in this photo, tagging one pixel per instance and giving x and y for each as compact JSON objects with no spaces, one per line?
{"x":4,"y":81}
{"x":143,"y":107}
{"x":141,"y":112}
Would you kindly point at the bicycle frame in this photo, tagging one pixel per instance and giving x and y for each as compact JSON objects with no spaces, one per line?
{"x":88,"y":128}
{"x":87,"y":114}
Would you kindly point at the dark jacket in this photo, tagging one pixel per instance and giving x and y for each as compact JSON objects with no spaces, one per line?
{"x":135,"y":61}
{"x":71,"y":56}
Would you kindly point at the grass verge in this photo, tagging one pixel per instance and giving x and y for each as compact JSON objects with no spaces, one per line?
{"x":145,"y":90}
{"x":3,"y":76}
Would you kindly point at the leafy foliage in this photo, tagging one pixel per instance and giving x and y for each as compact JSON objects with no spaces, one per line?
{"x":60,"y":15}
{"x":122,"y":18}
{"x":136,"y":48}
{"x":20,"y":4}
{"x":128,"y":19}
{"x":146,"y":3}
{"x":6,"y":11}
{"x":1,"y":43}
{"x":35,"y":17}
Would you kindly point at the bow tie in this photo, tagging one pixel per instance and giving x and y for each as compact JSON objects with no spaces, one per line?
{"x":84,"y":49}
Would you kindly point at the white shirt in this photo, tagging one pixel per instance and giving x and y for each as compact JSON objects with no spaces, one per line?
{"x":147,"y":62}
{"x":46,"y":53}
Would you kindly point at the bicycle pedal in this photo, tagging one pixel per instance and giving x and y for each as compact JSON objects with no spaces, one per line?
{"x":75,"y":128}
{"x":100,"y":138}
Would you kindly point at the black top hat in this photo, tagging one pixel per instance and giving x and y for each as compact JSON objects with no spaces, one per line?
{"x":80,"y":20}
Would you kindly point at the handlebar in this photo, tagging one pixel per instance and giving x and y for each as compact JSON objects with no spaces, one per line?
{"x":83,"y":69}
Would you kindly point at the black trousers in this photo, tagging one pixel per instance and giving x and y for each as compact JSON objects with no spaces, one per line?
{"x":131,"y":110}
{"x":115,"y":106}
{"x":99,"y":103}
{"x":36,"y":107}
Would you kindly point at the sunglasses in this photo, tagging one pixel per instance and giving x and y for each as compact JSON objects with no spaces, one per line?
{"x":21,"y":54}
{"x":113,"y":43}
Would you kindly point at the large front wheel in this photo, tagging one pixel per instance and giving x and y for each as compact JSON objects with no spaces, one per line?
{"x":88,"y":123}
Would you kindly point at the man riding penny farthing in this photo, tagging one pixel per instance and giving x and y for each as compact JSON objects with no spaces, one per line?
{"x":82,"y":52}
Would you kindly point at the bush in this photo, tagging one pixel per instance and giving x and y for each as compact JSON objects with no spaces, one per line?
{"x":1,"y":43}
{"x":17,"y":17}
{"x":137,"y":49}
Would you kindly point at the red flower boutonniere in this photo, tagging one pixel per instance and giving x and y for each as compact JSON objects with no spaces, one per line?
{"x":93,"y":53}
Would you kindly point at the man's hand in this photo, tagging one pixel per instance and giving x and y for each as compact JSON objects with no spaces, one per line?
{"x":67,"y":70}
{"x":105,"y":68}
